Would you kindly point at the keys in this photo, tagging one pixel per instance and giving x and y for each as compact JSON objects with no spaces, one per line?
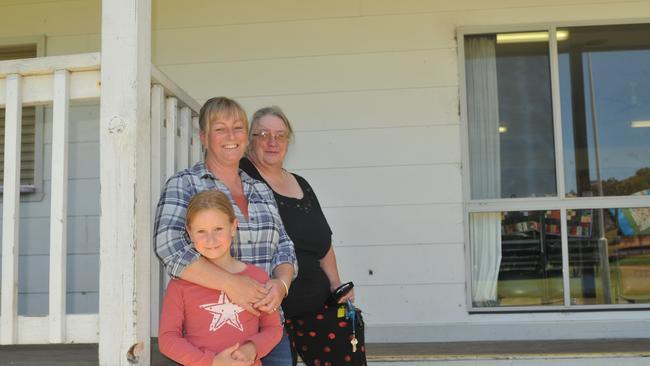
{"x":352,"y":315}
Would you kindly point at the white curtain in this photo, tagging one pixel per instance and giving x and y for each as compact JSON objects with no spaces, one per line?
{"x":485,"y":238}
{"x":485,"y":165}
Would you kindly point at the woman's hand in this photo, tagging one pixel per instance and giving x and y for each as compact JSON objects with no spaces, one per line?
{"x":241,"y":290}
{"x":227,"y":358}
{"x":348,"y":296}
{"x":273,"y":299}
{"x":246,"y":292}
{"x":278,"y":288}
{"x":328,"y":264}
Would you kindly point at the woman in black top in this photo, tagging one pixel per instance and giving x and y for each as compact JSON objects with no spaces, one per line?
{"x":317,"y":334}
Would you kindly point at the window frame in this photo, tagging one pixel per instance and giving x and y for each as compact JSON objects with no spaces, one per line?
{"x":559,"y":202}
{"x":33,"y":192}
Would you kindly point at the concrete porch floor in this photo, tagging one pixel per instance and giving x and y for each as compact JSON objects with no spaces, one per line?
{"x":457,"y":353}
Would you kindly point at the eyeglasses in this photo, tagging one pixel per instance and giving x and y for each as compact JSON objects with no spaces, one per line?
{"x":281,"y":136}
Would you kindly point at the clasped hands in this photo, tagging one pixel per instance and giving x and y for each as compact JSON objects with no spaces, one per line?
{"x":256,"y":297}
{"x":236,"y":355}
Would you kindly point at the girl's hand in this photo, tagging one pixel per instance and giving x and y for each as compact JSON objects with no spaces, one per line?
{"x":226,"y":358}
{"x":247,"y":352}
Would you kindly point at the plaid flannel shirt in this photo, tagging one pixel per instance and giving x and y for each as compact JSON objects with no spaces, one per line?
{"x":261,"y":240}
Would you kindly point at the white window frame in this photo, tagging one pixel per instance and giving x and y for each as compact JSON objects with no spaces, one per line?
{"x":560,"y":202}
{"x":34,"y":192}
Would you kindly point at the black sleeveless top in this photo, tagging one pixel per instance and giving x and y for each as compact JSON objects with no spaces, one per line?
{"x":307,"y":227}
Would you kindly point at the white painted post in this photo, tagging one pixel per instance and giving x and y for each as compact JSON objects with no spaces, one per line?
{"x":184,"y":154}
{"x":11,"y":210}
{"x":195,"y":141}
{"x":157,"y":180}
{"x":58,"y":209}
{"x":125,"y":178}
{"x":171,"y":126}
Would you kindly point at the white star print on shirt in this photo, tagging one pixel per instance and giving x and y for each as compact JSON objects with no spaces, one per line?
{"x":224,"y":312}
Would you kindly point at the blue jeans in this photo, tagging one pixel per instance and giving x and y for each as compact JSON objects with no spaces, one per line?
{"x":280,"y":355}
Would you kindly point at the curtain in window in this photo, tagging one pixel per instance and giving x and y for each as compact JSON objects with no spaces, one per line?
{"x":485,"y":165}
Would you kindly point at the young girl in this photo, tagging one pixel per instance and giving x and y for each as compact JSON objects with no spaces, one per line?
{"x":200,"y":326}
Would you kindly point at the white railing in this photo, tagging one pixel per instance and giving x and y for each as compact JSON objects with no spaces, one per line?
{"x":42,"y":81}
{"x":57,"y":81}
{"x":174,"y":146}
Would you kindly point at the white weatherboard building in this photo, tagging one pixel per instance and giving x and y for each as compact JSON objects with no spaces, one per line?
{"x":482,"y":164}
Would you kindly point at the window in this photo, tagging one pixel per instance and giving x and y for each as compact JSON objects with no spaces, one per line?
{"x":557,"y":129}
{"x":29,"y":131}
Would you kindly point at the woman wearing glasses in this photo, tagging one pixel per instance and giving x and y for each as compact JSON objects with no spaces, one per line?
{"x":260,"y":239}
{"x":316,"y":333}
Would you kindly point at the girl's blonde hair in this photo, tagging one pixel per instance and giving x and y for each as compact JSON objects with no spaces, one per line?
{"x":209,"y":200}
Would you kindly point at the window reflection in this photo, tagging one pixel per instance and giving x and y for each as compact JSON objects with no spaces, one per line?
{"x":609,"y":255}
{"x":510,"y":118}
{"x":522,"y":264}
{"x":517,"y":257}
{"x":605,"y":95}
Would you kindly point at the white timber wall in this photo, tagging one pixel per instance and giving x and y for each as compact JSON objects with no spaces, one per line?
{"x":372,"y":89}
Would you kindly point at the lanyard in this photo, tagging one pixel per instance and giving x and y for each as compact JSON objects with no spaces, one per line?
{"x":352,"y":315}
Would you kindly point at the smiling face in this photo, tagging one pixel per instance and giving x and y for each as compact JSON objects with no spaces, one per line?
{"x":225,"y":140}
{"x":211,"y":232}
{"x":270,"y":142}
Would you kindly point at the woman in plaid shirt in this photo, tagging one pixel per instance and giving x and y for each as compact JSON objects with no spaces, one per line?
{"x":261,"y":238}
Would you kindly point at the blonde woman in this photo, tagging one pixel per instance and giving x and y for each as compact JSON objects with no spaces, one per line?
{"x":261,"y":239}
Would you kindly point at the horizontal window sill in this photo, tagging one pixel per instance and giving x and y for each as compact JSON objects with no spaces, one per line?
{"x":23,"y":189}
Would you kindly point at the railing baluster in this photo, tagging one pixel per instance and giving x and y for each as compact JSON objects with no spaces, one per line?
{"x":171,"y":125}
{"x":184,"y":153}
{"x":11,"y":210}
{"x":59,"y":200}
{"x":170,"y":158}
{"x":196,"y":143}
{"x":157,"y":180}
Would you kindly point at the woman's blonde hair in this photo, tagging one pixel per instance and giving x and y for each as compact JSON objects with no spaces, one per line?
{"x":220,"y":108}
{"x":209,"y":200}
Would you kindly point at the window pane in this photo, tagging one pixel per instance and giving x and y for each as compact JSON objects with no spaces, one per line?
{"x":605,"y":96}
{"x":27,"y":150}
{"x":516,"y":258}
{"x":609,"y":255}
{"x":510,"y":119}
{"x":28,"y":122}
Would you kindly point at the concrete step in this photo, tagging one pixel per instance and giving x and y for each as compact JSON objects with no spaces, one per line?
{"x":594,"y":352}
{"x":596,"y":361}
{"x":605,"y":352}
